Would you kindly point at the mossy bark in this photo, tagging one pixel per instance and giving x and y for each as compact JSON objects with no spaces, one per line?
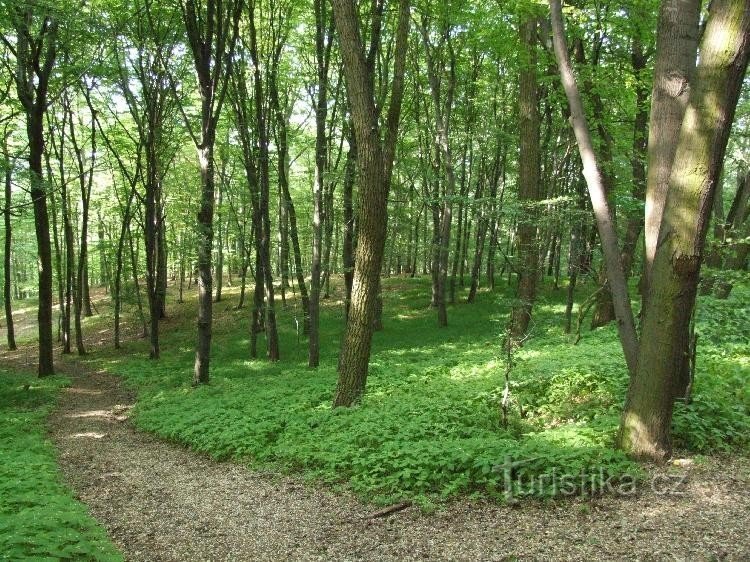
{"x":646,"y":420}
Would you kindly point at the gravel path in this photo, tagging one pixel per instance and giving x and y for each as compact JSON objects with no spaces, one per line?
{"x":159,"y":502}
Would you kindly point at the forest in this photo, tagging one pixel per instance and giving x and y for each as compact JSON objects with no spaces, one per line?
{"x":377,"y":280}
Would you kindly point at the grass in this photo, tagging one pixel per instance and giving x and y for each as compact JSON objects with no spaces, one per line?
{"x":429,"y":427}
{"x":39,"y":518}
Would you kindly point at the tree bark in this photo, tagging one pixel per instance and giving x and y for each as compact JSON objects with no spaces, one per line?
{"x":442,"y":108}
{"x":676,"y":44}
{"x":347,"y":258}
{"x":272,"y":337}
{"x":322,"y":60}
{"x":724,"y":52}
{"x":8,"y":248}
{"x":598,"y":195}
{"x":528,"y":182}
{"x":375,"y":161}
{"x":212,"y":30}
{"x":35,"y":58}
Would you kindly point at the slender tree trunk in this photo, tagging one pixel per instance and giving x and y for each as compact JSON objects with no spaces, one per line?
{"x":272,"y":337}
{"x":598,"y":195}
{"x":69,"y":265}
{"x":117,"y":293}
{"x":136,"y":283}
{"x":350,"y":170}
{"x":205,"y":248}
{"x":58,"y":261}
{"x":528,"y":183}
{"x":7,"y":279}
{"x":638,"y":159}
{"x":85,"y":180}
{"x":220,"y":245}
{"x":211,"y":29}
{"x":442,"y":117}
{"x":322,"y":57}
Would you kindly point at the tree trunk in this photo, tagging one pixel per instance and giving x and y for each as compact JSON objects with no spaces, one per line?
{"x":116,"y":296}
{"x":442,"y":117}
{"x":597,"y":193}
{"x":347,"y":258}
{"x":676,"y":44}
{"x":322,"y":58}
{"x":85,"y":181}
{"x":659,"y":380}
{"x":7,"y":279}
{"x":220,"y":234}
{"x":205,"y":248}
{"x":528,"y":183}
{"x":211,"y":29}
{"x":375,"y":161}
{"x":638,"y":158}
{"x":272,"y":337}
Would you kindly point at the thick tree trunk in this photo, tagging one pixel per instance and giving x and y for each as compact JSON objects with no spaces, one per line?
{"x":676,"y":44}
{"x":44,"y":249}
{"x":375,"y":161}
{"x":725,"y":47}
{"x":35,"y":58}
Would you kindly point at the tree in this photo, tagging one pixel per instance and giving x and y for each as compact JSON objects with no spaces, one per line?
{"x":597,"y":193}
{"x":442,"y":108}
{"x":8,"y":227}
{"x":528,"y":180}
{"x":676,"y":44}
{"x":376,"y":147}
{"x":35,"y":51}
{"x":656,"y":364}
{"x":212,"y":30}
{"x":724,"y":51}
{"x":323,"y":43}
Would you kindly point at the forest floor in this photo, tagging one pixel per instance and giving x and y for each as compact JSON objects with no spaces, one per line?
{"x":161,"y":501}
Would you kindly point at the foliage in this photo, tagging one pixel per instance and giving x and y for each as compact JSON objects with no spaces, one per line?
{"x":39,"y":518}
{"x":429,"y":427}
{"x":718,"y":416}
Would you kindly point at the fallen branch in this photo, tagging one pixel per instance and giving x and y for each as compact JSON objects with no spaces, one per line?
{"x":396,"y":507}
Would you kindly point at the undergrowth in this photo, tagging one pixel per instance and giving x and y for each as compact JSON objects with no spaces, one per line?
{"x":39,"y":518}
{"x":429,"y":427}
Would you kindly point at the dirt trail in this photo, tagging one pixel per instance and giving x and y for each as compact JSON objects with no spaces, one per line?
{"x":159,"y":501}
